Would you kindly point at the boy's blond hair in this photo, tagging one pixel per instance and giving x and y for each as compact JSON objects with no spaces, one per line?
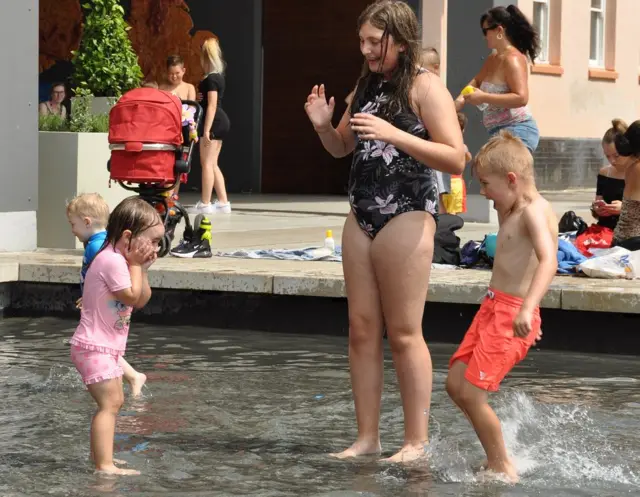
{"x":90,"y":205}
{"x":430,"y":57}
{"x":503,"y":154}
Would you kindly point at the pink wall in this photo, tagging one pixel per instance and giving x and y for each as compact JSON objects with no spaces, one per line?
{"x":434,"y":30}
{"x":574,"y":104}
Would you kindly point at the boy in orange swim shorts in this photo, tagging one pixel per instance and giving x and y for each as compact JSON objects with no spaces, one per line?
{"x":508,"y":321}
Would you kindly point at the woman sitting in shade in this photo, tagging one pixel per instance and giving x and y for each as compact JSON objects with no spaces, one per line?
{"x":54,"y":106}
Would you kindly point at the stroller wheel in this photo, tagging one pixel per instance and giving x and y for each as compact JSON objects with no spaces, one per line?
{"x":165,"y":245}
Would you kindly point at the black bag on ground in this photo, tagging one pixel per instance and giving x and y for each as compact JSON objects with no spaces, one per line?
{"x":570,"y":221}
{"x":446,"y":247}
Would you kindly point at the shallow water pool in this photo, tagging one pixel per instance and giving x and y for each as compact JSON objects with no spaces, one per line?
{"x":255,"y":414}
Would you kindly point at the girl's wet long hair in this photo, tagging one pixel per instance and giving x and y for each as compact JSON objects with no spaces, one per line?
{"x":133,"y":214}
{"x":518,"y":28}
{"x":398,"y":22}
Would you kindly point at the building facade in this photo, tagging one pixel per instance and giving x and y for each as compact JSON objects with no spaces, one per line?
{"x":588,"y":73}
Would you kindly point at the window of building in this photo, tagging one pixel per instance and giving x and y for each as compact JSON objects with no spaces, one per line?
{"x":547,"y":19}
{"x":597,"y":45}
{"x":541,"y":23}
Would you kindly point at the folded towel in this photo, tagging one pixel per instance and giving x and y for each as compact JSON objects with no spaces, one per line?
{"x":568,"y":257}
{"x":303,"y":254}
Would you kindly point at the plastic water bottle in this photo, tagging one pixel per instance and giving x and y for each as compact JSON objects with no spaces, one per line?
{"x":467,"y":90}
{"x":329,"y":242}
{"x":205,"y":229}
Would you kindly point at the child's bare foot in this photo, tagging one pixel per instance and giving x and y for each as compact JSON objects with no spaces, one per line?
{"x":113,"y":470}
{"x":504,"y":472}
{"x":482,"y":466}
{"x":137,"y":383}
{"x":359,"y":448}
{"x":407,"y":454}
{"x":115,"y":461}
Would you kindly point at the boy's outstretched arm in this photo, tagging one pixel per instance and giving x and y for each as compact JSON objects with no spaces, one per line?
{"x":546,"y":249}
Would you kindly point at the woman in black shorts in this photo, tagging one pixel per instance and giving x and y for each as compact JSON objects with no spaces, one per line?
{"x":214,"y":129}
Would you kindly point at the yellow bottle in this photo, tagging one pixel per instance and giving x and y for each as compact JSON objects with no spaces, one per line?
{"x":329,"y":242}
{"x":468,"y":90}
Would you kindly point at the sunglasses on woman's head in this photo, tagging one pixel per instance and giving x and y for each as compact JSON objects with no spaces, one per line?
{"x":489,"y":28}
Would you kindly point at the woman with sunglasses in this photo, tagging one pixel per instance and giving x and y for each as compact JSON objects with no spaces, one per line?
{"x":501,"y":89}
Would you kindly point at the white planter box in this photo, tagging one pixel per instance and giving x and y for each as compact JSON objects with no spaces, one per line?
{"x":70,"y":164}
{"x":99,"y":105}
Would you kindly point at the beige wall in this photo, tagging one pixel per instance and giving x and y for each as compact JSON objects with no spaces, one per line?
{"x":434,"y":30}
{"x":572,"y":104}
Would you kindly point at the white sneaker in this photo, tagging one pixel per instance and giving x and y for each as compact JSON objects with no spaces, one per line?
{"x":201,"y":208}
{"x":222,"y":208}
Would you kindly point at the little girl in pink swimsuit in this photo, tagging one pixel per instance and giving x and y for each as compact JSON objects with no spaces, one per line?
{"x":115,"y":283}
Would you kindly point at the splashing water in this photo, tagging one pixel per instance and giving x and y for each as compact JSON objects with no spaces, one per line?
{"x":551,"y":446}
{"x":561,"y":443}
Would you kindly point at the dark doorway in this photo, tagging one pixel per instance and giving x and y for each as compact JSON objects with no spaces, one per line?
{"x":305,"y":43}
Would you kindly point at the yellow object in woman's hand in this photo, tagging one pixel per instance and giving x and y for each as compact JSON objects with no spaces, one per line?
{"x":467,"y":90}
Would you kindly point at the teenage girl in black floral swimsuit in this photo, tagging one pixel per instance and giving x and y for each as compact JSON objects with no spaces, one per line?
{"x":400,"y":125}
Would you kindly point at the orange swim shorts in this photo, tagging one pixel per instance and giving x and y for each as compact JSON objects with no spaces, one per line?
{"x":489,"y":348}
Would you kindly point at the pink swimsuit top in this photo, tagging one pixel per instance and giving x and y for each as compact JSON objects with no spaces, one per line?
{"x":493,"y":117}
{"x":104,"y":320}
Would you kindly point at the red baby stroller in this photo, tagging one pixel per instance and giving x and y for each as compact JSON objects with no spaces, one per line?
{"x":151,"y":151}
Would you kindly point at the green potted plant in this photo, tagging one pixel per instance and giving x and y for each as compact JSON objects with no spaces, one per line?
{"x":105,"y":64}
{"x":83,"y":119}
{"x":73,"y":154}
{"x":72,"y":159}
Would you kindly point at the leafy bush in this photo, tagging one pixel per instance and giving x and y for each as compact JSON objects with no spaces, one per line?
{"x":52,"y":122}
{"x":105,"y":63}
{"x":82,"y":119}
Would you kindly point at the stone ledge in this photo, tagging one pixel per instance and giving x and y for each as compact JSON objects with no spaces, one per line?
{"x":321,"y":279}
{"x":605,"y":299}
{"x":307,"y":286}
{"x":471,"y":290}
{"x":9,"y":271}
{"x":219,"y":281}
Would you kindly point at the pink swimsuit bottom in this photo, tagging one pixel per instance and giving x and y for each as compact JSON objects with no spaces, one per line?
{"x":94,"y":366}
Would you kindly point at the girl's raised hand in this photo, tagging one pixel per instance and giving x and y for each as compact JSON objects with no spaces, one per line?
{"x":150,"y":260}
{"x":370,"y":127}
{"x":139,"y":251}
{"x":319,"y":111}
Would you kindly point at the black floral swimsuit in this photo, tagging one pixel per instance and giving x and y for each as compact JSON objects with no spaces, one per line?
{"x":384,"y":181}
